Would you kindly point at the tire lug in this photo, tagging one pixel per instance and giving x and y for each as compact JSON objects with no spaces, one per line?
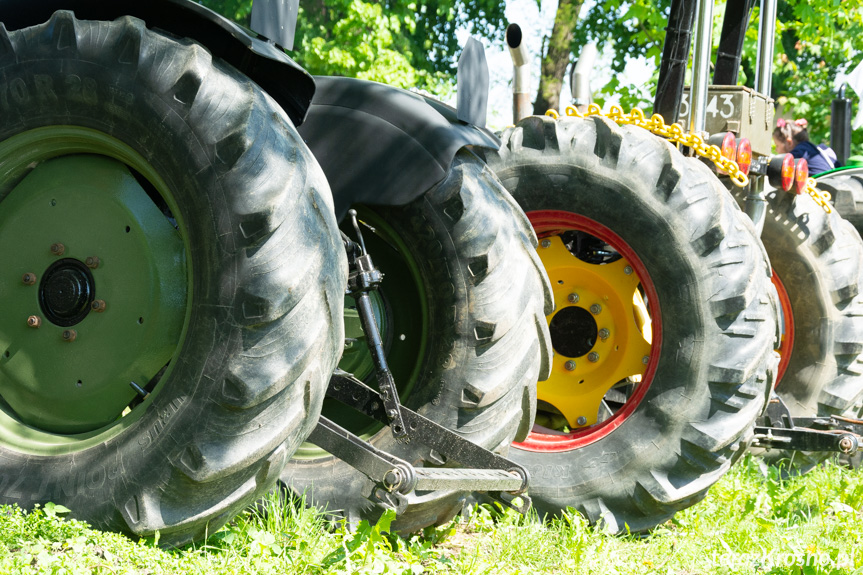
{"x":92,"y":262}
{"x":34,"y":321}
{"x":582,"y":420}
{"x":603,"y":334}
{"x":29,"y":279}
{"x":569,"y":365}
{"x":596,"y":309}
{"x":573,"y":298}
{"x":593,"y":357}
{"x":627,"y":270}
{"x":58,"y":249}
{"x":545,"y":243}
{"x":98,"y":305}
{"x":70,"y":335}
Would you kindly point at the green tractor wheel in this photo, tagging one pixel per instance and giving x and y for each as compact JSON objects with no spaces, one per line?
{"x":461,"y":309}
{"x":663,"y":326}
{"x":171,"y":277}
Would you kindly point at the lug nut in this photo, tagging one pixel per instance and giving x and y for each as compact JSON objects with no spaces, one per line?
{"x":98,"y":305}
{"x":70,"y":335}
{"x":28,"y":279}
{"x":627,"y":270}
{"x":92,"y":262}
{"x":573,"y":298}
{"x":58,"y":249}
{"x":545,"y":243}
{"x":582,"y":420}
{"x":645,"y":360}
{"x":603,"y":334}
{"x":595,"y":309}
{"x":569,"y":365}
{"x":593,"y":357}
{"x":34,"y":321}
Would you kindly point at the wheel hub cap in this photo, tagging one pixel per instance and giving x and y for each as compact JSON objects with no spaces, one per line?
{"x":66,"y":292}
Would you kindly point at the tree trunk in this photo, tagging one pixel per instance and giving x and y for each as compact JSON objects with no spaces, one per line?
{"x":557,"y":58}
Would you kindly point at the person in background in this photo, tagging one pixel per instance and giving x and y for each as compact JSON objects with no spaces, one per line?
{"x":793,"y":138}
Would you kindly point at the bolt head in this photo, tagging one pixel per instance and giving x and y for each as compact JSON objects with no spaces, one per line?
{"x":92,"y":262}
{"x":645,"y":360}
{"x":593,"y":357}
{"x":582,"y":420}
{"x":604,"y":333}
{"x":28,"y":279}
{"x":34,"y":321}
{"x":845,"y":444}
{"x":596,"y":309}
{"x":627,"y":270}
{"x":98,"y":305}
{"x":569,"y":365}
{"x":573,"y":298}
{"x":70,"y":335}
{"x":58,"y":249}
{"x":545,"y":243}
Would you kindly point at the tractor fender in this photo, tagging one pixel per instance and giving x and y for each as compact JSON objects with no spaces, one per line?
{"x":380,"y":145}
{"x":265,"y":63}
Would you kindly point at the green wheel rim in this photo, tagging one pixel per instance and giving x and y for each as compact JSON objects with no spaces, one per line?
{"x":402,"y":311}
{"x":101,"y":232}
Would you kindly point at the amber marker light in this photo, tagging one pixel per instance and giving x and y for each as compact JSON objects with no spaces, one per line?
{"x":744,"y":155}
{"x":801,"y":174}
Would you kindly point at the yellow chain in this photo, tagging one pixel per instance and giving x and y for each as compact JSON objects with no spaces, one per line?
{"x":673,"y":133}
{"x":821,"y":198}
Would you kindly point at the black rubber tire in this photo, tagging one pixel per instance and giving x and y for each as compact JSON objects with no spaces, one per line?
{"x":846,"y":189}
{"x":716,"y":364}
{"x":265,"y":329}
{"x":488,"y":342}
{"x":819,"y":259}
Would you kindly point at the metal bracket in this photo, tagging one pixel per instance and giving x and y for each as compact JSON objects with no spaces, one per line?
{"x":780,"y":430}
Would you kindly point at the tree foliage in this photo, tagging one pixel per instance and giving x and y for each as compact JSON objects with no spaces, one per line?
{"x":404,"y":43}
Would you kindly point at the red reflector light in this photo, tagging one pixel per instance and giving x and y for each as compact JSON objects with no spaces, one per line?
{"x":744,"y":155}
{"x":801,"y":174}
{"x":729,"y":146}
{"x":787,"y":172}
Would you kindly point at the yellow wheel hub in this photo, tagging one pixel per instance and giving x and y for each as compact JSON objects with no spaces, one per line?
{"x":600,"y":331}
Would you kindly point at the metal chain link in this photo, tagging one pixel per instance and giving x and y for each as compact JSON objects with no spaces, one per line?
{"x":674,"y":133}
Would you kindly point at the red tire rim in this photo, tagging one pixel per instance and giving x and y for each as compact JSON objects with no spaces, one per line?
{"x":549,"y":223}
{"x":787,"y":339}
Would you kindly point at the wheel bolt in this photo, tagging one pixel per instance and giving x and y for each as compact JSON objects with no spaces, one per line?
{"x":29,"y":279}
{"x":58,"y":249}
{"x":627,"y":270}
{"x":92,"y":262}
{"x":569,"y":365}
{"x":545,"y":243}
{"x":34,"y":321}
{"x":603,"y":334}
{"x":70,"y":335}
{"x":595,"y":309}
{"x":573,"y":298}
{"x":645,"y":360}
{"x":582,"y":420}
{"x":593,"y":357}
{"x":98,"y":305}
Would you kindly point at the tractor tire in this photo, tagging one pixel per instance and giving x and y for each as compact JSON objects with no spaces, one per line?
{"x":817,"y":262}
{"x":461,"y":273}
{"x":202,"y":230}
{"x":663,"y":435}
{"x":846,"y":189}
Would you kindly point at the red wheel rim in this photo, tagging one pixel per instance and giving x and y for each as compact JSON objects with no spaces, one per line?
{"x":550,"y":222}
{"x":787,"y":341}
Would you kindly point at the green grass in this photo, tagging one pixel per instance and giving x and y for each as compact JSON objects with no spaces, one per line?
{"x":753,"y":521}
